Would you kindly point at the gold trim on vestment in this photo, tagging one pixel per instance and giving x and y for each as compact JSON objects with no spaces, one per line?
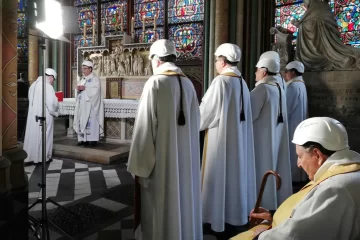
{"x":204,"y":157}
{"x":284,"y":211}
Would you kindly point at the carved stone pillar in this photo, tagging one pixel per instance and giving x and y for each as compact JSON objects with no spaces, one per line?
{"x":10,"y":151}
{"x":33,"y":56}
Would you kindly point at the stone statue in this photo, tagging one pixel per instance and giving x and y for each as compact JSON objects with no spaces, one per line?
{"x":127,"y":65}
{"x":112,"y":65}
{"x":107,"y":66}
{"x":134,"y":65}
{"x":283,"y":45}
{"x":148,"y":69}
{"x":140,"y":65}
{"x":96,"y":61}
{"x":121,"y":69}
{"x":318,"y":44}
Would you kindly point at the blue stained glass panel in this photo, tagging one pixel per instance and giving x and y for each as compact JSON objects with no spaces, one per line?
{"x":79,"y":41}
{"x":22,"y":4}
{"x":21,"y":23}
{"x":83,"y":2}
{"x":150,"y":35}
{"x":87,"y":15}
{"x":188,"y":40}
{"x":112,"y":13}
{"x":147,"y":11}
{"x":180,"y":11}
{"x":23,"y":50}
{"x":283,"y":2}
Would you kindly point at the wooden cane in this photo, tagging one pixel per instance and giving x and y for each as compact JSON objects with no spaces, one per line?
{"x":262,"y":188}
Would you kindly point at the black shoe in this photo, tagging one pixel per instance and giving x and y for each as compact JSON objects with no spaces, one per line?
{"x":93,"y":143}
{"x":80,"y":143}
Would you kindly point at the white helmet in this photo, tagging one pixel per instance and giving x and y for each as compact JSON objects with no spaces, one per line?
{"x":230,"y":51}
{"x":328,"y":132}
{"x":88,"y":63}
{"x":271,"y":64}
{"x":270,"y":54}
{"x":299,"y":66}
{"x":51,"y":72}
{"x":162,"y":48}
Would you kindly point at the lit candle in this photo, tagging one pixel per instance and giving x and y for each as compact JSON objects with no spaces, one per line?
{"x":94,"y":23}
{"x":143,"y":23}
{"x":132,"y":24}
{"x":121,"y":18}
{"x":155,"y":22}
{"x":84,"y":30}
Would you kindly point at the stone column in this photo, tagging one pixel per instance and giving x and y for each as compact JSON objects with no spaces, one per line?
{"x":221,"y":23}
{"x":240,"y":29}
{"x":18,"y":178}
{"x":33,"y":56}
{"x":211,"y":41}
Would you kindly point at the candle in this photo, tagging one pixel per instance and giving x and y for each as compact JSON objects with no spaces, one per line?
{"x":121,"y":18}
{"x":155,"y":22}
{"x":132,"y":24}
{"x":103,"y":28}
{"x":84,"y":30}
{"x":94,"y":28}
{"x":143,"y":23}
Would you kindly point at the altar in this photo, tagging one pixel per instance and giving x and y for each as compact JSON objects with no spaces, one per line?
{"x":119,"y":118}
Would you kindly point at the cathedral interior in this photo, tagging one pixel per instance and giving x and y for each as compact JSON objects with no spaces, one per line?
{"x":116,"y":36}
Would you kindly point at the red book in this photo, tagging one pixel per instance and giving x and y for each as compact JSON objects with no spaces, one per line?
{"x":60,"y":96}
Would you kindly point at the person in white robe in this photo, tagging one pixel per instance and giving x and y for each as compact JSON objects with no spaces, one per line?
{"x":271,"y":139}
{"x":279,"y":78}
{"x":228,"y":166}
{"x":327,"y":207}
{"x":33,"y":133}
{"x":297,"y":109}
{"x":165,"y":152}
{"x":89,"y":108}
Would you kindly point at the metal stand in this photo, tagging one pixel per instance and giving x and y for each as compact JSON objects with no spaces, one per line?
{"x":44,"y":221}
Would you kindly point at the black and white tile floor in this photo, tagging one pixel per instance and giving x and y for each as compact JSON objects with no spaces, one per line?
{"x":71,"y":182}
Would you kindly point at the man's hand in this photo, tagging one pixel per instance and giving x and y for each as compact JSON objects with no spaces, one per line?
{"x":263,"y":214}
{"x":80,"y":88}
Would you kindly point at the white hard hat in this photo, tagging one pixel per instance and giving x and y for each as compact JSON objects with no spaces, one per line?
{"x":271,"y":64}
{"x":230,"y":51}
{"x":328,"y":132}
{"x":270,"y":54}
{"x":88,"y":63}
{"x":299,"y":66}
{"x":51,"y":72}
{"x":162,"y":48}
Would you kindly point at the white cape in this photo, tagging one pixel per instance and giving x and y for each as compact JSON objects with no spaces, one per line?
{"x":166,"y":158}
{"x":297,"y":107}
{"x":228,"y":184}
{"x":89,"y":108}
{"x":33,"y":133}
{"x":271,"y":141}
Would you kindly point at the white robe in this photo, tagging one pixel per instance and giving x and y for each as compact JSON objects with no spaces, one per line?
{"x":89,"y":110}
{"x":281,"y":81}
{"x":166,"y":158}
{"x":228,"y":184}
{"x":330,"y":210}
{"x":297,"y":108}
{"x":271,"y":141}
{"x":33,"y":134}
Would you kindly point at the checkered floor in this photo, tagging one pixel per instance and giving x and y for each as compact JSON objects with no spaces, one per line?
{"x":70,"y":182}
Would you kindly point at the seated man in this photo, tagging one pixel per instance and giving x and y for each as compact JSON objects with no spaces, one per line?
{"x":328,"y":207}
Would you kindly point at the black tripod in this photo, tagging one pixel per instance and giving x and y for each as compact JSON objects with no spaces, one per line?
{"x":43,"y":223}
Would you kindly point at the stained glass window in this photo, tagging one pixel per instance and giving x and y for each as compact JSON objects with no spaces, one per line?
{"x":21,"y":21}
{"x":22,"y":4}
{"x":115,"y":14}
{"x":188,"y":40}
{"x":346,"y":14}
{"x":149,"y":11}
{"x":22,"y":50}
{"x":87,"y":15}
{"x":84,"y":2}
{"x":185,"y":11}
{"x":150,"y":34}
